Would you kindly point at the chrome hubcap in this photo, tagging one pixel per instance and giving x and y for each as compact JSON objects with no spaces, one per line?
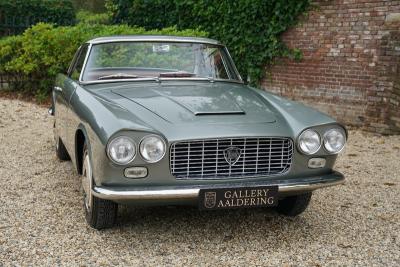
{"x":87,"y":183}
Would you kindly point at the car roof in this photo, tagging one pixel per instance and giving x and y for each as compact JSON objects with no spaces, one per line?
{"x":152,"y":38}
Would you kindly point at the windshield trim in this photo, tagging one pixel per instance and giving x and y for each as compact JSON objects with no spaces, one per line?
{"x":153,"y":38}
{"x":157,"y":79}
{"x":232,"y":63}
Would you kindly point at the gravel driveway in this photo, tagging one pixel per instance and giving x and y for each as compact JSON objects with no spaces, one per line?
{"x":42,"y":221}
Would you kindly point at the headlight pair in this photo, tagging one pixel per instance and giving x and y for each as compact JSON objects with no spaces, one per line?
{"x":122,"y":149}
{"x":333,"y":141}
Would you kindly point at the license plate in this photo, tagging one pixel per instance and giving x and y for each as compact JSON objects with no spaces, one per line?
{"x":234,"y":198}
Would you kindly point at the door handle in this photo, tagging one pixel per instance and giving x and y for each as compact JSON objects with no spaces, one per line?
{"x":58,"y":89}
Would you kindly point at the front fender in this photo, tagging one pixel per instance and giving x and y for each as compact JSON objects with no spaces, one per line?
{"x":98,"y":120}
{"x":297,"y":115}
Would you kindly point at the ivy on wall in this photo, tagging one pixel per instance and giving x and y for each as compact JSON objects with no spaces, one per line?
{"x":250,"y":28}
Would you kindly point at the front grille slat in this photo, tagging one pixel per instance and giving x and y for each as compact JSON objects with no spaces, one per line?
{"x":204,"y":159}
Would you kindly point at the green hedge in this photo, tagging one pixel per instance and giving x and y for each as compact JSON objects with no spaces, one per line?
{"x":17,"y":15}
{"x":96,"y":6}
{"x":88,"y":17}
{"x":44,"y":50}
{"x":250,"y":28}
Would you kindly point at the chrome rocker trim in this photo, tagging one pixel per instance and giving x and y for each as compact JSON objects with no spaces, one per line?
{"x":288,"y":186}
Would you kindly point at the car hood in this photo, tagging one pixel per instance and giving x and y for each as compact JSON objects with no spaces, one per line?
{"x":203,"y":103}
{"x":183,"y":110}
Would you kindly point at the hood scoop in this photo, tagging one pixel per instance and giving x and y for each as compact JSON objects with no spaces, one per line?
{"x":210,"y":113}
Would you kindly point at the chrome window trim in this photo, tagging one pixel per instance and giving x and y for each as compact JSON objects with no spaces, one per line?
{"x":85,"y":62}
{"x":155,"y":38}
{"x":159,"y":80}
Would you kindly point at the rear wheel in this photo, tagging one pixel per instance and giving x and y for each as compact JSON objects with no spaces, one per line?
{"x":61,"y":151}
{"x":100,"y":213}
{"x":294,"y":205}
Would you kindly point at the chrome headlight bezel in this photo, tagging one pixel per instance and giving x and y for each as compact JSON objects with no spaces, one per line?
{"x":110,"y":144}
{"x":142,"y":145}
{"x":301,"y":136}
{"x":340,"y":130}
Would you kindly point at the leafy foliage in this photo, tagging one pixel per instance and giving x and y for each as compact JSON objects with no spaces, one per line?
{"x":17,"y":15}
{"x":87,"y":17}
{"x":96,"y":6}
{"x":45,"y":50}
{"x":250,"y":28}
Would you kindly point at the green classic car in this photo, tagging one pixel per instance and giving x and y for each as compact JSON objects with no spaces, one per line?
{"x":161,"y":120}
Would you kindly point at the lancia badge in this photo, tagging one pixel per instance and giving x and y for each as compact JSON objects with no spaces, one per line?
{"x":232,"y":155}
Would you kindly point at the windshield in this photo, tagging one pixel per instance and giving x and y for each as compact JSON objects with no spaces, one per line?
{"x":133,"y":60}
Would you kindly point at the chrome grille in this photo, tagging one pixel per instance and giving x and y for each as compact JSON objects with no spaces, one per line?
{"x":205,"y":159}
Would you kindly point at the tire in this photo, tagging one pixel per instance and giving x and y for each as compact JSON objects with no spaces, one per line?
{"x":294,"y":205}
{"x":99,"y":213}
{"x":61,"y":151}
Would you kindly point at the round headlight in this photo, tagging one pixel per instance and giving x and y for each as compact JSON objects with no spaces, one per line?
{"x":152,"y":148}
{"x":309,"y":142}
{"x":121,"y":150}
{"x":334,"y":140}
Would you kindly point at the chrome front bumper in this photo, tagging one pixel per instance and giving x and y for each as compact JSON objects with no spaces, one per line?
{"x":170,"y":193}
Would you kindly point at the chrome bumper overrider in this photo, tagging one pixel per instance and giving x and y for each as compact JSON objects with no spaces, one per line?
{"x":287,"y":186}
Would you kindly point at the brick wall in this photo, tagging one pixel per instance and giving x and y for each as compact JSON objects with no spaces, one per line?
{"x":351,"y":63}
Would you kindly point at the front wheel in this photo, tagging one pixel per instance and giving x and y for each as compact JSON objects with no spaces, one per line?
{"x":294,"y":205}
{"x":100,"y":213}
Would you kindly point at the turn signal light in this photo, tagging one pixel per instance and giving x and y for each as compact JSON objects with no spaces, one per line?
{"x":135,"y":172}
{"x":316,"y":163}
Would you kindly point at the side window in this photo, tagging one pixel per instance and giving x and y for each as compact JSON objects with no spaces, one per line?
{"x":71,"y":66}
{"x":212,"y":64}
{"x":76,"y":71}
{"x":220,"y":69}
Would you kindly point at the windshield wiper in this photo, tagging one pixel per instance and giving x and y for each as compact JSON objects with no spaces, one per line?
{"x":119,"y":76}
{"x":176,"y":74}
